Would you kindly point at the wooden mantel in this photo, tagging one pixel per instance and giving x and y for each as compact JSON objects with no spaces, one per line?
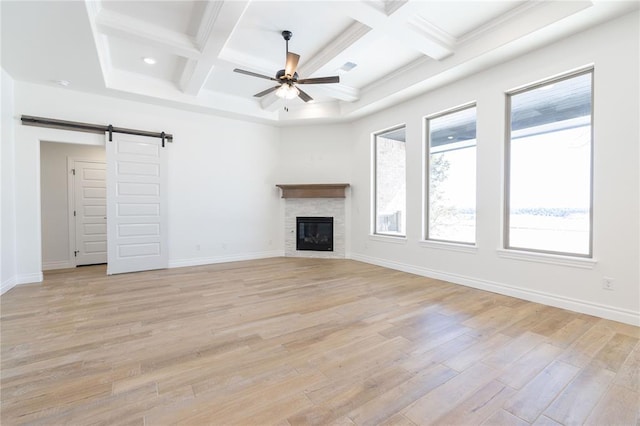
{"x":314,"y":190}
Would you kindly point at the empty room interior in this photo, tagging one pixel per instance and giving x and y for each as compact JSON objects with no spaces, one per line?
{"x":386,"y":212}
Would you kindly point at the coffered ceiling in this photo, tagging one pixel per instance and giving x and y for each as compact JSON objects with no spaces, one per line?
{"x":400,"y":48}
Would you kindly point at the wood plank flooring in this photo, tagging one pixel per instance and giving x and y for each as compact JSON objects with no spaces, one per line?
{"x":289,"y":341}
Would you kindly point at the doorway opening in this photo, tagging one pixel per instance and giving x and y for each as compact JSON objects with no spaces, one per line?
{"x":73,"y":205}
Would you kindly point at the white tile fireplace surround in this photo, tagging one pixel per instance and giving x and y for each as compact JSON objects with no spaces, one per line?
{"x":319,"y":200}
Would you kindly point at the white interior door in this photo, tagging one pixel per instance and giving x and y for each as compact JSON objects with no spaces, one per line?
{"x":90,"y":212}
{"x":136,"y":204}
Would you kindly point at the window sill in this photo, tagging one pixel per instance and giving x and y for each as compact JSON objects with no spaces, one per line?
{"x":444,"y":245}
{"x":553,"y":259}
{"x":388,"y":238}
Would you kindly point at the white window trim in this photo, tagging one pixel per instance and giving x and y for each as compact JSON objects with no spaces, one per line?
{"x":553,"y":259}
{"x":449,"y":245}
{"x":566,"y":259}
{"x":374,"y":184}
{"x":427,"y":151}
{"x":388,"y":238}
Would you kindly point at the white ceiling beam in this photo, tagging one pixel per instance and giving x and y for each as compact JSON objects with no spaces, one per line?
{"x":399,"y":21}
{"x":337,"y":91}
{"x":100,"y":40}
{"x":335,"y":47}
{"x":236,"y":59}
{"x":216,"y":27}
{"x":126,"y":27}
{"x":135,"y":86}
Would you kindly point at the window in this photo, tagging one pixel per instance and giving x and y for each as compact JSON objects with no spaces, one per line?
{"x":549,"y":166}
{"x":451,"y":194}
{"x":390,"y":182}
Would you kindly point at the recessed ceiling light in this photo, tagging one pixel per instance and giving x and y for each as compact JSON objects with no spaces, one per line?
{"x":449,"y":137}
{"x":149,"y":60}
{"x":63,"y":83}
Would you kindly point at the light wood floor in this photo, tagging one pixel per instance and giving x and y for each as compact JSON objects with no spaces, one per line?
{"x":301,"y":341}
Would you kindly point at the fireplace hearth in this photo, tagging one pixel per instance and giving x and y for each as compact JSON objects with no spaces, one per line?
{"x":314,"y":233}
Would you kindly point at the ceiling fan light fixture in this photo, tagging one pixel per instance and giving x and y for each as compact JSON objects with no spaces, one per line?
{"x":287,"y":91}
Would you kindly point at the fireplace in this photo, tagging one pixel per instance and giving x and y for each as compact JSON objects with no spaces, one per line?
{"x":314,"y":233}
{"x":322,"y":202}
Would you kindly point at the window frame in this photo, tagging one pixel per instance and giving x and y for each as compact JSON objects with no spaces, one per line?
{"x":507,"y":164}
{"x":374,"y":180}
{"x":427,"y":177}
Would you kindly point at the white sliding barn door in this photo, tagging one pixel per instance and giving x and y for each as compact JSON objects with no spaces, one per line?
{"x":136,"y":204}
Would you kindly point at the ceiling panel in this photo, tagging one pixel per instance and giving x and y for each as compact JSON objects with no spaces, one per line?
{"x":128,"y":56}
{"x":258,"y":34}
{"x":376,"y":58}
{"x":40,"y":45}
{"x":179,"y":16}
{"x":222,"y":79}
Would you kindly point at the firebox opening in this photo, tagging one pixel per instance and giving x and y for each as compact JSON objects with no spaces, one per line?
{"x":314,"y":233}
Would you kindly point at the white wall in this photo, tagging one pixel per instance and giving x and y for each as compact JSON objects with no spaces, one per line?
{"x":54,"y":198}
{"x":8,"y":272}
{"x":317,"y":154}
{"x":613,"y":49}
{"x":223,"y":204}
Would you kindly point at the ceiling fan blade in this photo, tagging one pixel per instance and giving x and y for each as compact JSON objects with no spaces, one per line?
{"x":266,"y":92}
{"x":320,"y":80}
{"x":292,"y":63}
{"x":304,"y":95}
{"x":253,"y":74}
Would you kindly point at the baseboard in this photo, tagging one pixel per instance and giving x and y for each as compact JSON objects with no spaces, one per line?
{"x":179,"y":263}
{"x":603,"y":311}
{"x":36,"y":277}
{"x":59,"y":264}
{"x":8,"y":284}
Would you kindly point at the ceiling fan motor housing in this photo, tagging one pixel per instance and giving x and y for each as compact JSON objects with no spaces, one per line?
{"x":280,"y":74}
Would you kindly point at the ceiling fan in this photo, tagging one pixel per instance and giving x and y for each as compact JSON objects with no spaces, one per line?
{"x":287,"y":78}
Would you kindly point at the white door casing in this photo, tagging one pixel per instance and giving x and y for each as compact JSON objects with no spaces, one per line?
{"x":90,"y":212}
{"x":137,"y":236}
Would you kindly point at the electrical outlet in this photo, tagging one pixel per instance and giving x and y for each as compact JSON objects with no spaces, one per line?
{"x":607,"y":283}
